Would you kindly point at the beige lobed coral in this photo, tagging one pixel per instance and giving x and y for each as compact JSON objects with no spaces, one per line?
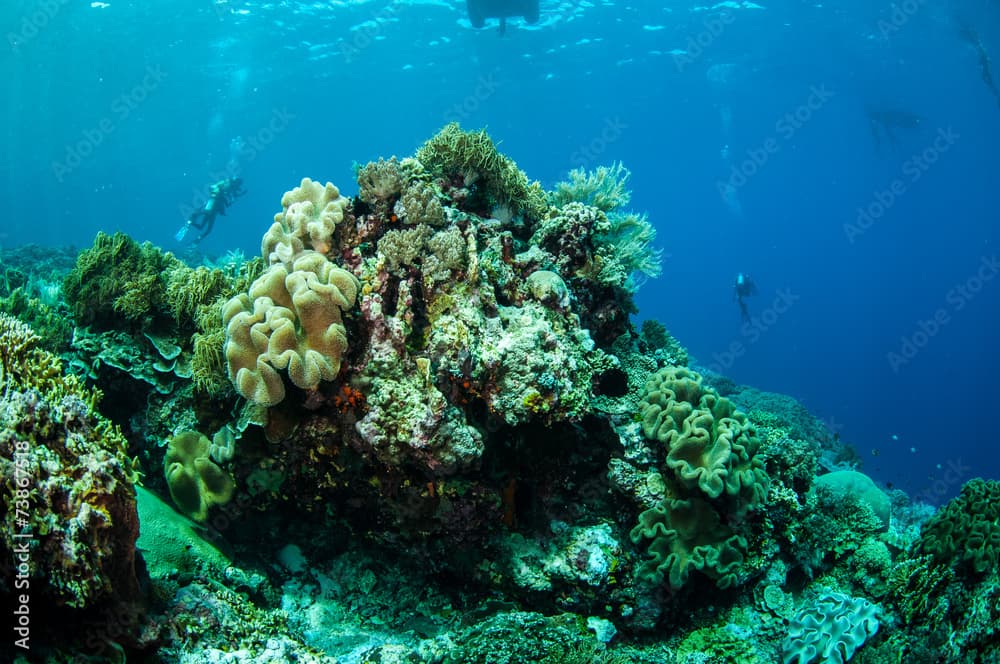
{"x":310,"y":214}
{"x":291,"y":317}
{"x":290,"y":320}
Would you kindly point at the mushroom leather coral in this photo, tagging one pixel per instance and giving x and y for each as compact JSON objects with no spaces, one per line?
{"x":195,"y":482}
{"x":710,"y":445}
{"x":310,"y":214}
{"x":291,"y":320}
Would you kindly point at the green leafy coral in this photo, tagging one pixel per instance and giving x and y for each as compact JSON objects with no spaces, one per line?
{"x":710,"y":445}
{"x":473,"y":157}
{"x":687,"y":535}
{"x":117,"y":278}
{"x":196,"y":483}
{"x":712,"y":477}
{"x":966,"y":532}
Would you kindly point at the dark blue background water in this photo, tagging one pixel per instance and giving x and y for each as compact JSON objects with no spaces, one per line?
{"x":118,"y":117}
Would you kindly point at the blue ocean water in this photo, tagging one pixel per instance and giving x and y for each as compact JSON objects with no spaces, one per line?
{"x":745,"y":127}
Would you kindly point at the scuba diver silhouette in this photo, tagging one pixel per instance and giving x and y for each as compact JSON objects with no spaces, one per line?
{"x":744,"y":287}
{"x":221,"y":196}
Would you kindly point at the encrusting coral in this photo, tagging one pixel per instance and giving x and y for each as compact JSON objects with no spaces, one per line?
{"x":67,"y":480}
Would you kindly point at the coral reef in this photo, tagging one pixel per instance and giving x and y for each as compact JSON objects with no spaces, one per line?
{"x":438,"y":437}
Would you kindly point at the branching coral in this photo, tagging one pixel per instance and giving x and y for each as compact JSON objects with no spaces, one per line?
{"x":622,"y":244}
{"x":25,"y":366}
{"x":605,"y":188}
{"x":380,"y":183}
